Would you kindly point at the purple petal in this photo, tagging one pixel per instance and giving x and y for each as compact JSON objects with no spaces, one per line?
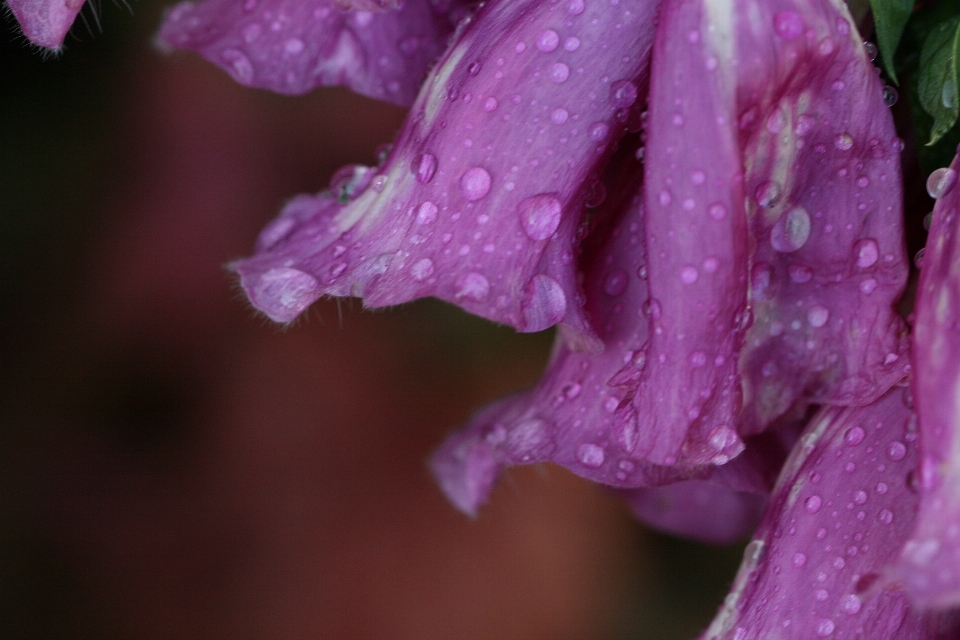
{"x":294,"y":46}
{"x":481,"y":200}
{"x":45,"y":23}
{"x":703,"y":511}
{"x":839,"y":513}
{"x":368,"y":5}
{"x":764,"y":141}
{"x":930,"y":563}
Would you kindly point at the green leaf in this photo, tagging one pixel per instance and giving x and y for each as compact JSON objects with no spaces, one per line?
{"x":890,"y":17}
{"x":931,"y":156}
{"x":938,"y":81}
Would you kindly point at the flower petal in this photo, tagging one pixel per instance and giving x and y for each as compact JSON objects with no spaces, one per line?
{"x":930,"y":563}
{"x":480,"y":201}
{"x":45,"y":23}
{"x":773,"y":104}
{"x":840,"y":511}
{"x":294,"y":46}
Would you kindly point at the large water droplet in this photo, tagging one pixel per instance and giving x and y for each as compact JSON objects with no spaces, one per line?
{"x":540,"y":215}
{"x":616,"y":282}
{"x":791,"y":231}
{"x":623,"y":94}
{"x":788,"y":24}
{"x":799,"y":559}
{"x":473,"y":286}
{"x":548,"y":41}
{"x":575,"y":7}
{"x":813,"y":504}
{"x":885,"y":516}
{"x":283,"y":293}
{"x":598,"y":131}
{"x":854,"y":436}
{"x":890,"y":95}
{"x":422,"y":269}
{"x":424,"y":166}
{"x":559,"y":116}
{"x":825,"y":627}
{"x":767,"y":194}
{"x":867,"y":252}
{"x":427,"y":213}
{"x":850,"y":604}
{"x":843,"y":141}
{"x":591,"y":455}
{"x":897,"y":451}
{"x":817,"y":316}
{"x":689,"y":274}
{"x":475,"y":183}
{"x":941,"y":182}
{"x":558,"y":72}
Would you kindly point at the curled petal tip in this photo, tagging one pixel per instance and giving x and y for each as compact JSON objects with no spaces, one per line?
{"x":280,"y":293}
{"x":45,"y":23}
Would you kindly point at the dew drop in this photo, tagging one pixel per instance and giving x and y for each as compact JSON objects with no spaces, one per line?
{"x":665,"y":197}
{"x":799,"y":559}
{"x":825,"y":627}
{"x":558,"y":72}
{"x":860,"y":497}
{"x":422,"y":269}
{"x":539,"y":215}
{"x":791,"y":231}
{"x":571,"y":44}
{"x":854,"y":436}
{"x":591,"y":455}
{"x":813,"y":503}
{"x":475,"y":183}
{"x":698,"y":359}
{"x":896,"y":451}
{"x":598,"y":131}
{"x":941,"y":182}
{"x":689,"y":274}
{"x":817,"y":316}
{"x":890,"y":96}
{"x":427,"y":213}
{"x":885,"y":516}
{"x":767,"y":194}
{"x":548,"y":41}
{"x":616,"y":283}
{"x":788,"y":24}
{"x":575,"y":7}
{"x":623,"y":94}
{"x":843,"y":141}
{"x":868,"y":286}
{"x":717,"y":211}
{"x":474,"y":286}
{"x":490,"y":104}
{"x":850,"y":604}
{"x":283,"y":293}
{"x":867,"y":252}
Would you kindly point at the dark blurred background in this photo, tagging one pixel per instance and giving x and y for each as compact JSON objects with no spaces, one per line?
{"x":174,"y":466}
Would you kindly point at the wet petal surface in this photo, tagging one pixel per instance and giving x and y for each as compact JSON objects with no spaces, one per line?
{"x":930,"y":563}
{"x":480,"y":202}
{"x":841,"y":509}
{"x":294,"y":46}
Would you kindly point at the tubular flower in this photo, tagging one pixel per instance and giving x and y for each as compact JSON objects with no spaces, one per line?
{"x":704,"y":197}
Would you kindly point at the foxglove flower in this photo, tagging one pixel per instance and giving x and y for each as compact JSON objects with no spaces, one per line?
{"x":45,"y":23}
{"x":930,"y":563}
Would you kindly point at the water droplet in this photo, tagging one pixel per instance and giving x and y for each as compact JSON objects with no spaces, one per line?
{"x":867,"y":252}
{"x":283,"y":293}
{"x":767,"y":194}
{"x":918,"y":259}
{"x":717,"y":211}
{"x":544,"y":303}
{"x":575,"y":7}
{"x":890,"y":96}
{"x":665,"y":197}
{"x":868,"y":286}
{"x":490,"y":104}
{"x":572,"y":390}
{"x":850,"y":604}
{"x":813,"y":503}
{"x":791,"y":231}
{"x":805,"y":124}
{"x":473,"y":286}
{"x":817,"y":316}
{"x":948,"y":96}
{"x":558,"y":72}
{"x":427,"y":213}
{"x":860,"y":497}
{"x":642,"y":272}
{"x":777,"y":122}
{"x":927,"y":219}
{"x":839,"y":85}
{"x":843,"y":141}
{"x":239,"y":65}
{"x":616,"y":282}
{"x":293,"y":46}
{"x":689,"y":274}
{"x":474,"y":68}
{"x":941,"y":182}
{"x":422,"y":269}
{"x":590,"y":455}
{"x":897,"y":451}
{"x":424,"y":167}
{"x":711,"y":264}
{"x":571,"y":44}
{"x":651,"y":308}
{"x":475,"y":183}
{"x":854,"y":436}
{"x":788,"y":24}
{"x":885,"y":516}
{"x":598,"y":131}
{"x":623,"y":94}
{"x":559,"y":116}
{"x":863,"y":182}
{"x":825,"y":627}
{"x":547,"y":41}
{"x":540,"y":215}
{"x":698,"y":359}
{"x":800,"y":273}
{"x":799,"y":559}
